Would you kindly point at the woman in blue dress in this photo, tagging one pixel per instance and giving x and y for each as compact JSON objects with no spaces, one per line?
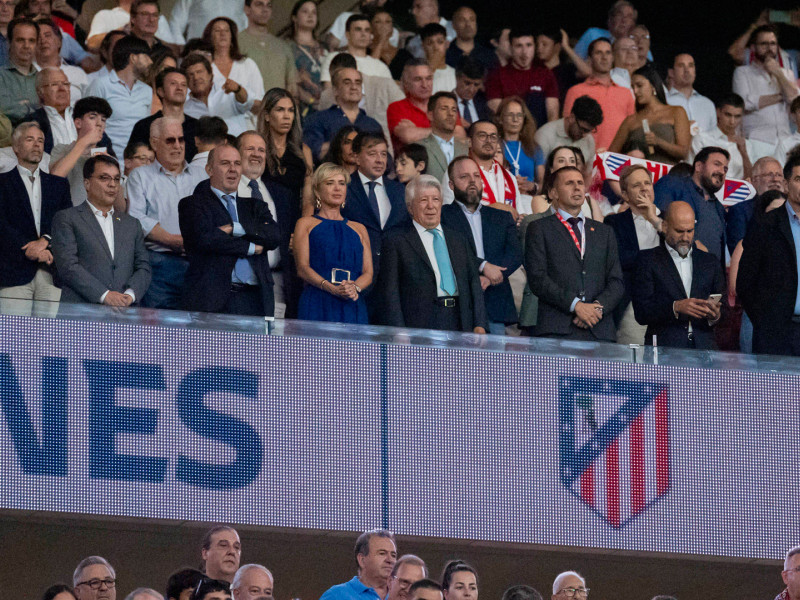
{"x":516,"y":127}
{"x":332,"y":254}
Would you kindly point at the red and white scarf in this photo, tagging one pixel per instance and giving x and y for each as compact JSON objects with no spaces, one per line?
{"x":499,"y":178}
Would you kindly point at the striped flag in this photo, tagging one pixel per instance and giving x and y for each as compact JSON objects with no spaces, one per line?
{"x":614,"y":445}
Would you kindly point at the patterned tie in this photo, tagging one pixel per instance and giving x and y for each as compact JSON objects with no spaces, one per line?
{"x":242,"y":270}
{"x":446,"y":274}
{"x":373,"y":199}
{"x":254,"y":191}
{"x":573,"y":221}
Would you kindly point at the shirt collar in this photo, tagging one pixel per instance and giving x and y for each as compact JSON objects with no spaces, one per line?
{"x":12,"y":67}
{"x":792,"y":215}
{"x":160,"y":168}
{"x":592,"y":80}
{"x":26,"y":172}
{"x":467,"y":211}
{"x":568,"y":216}
{"x":441,"y":140}
{"x":674,"y":254}
{"x":365,"y":180}
{"x":674,"y":92}
{"x":97,"y":212}
{"x":420,"y":228}
{"x":220,"y":194}
{"x":52,"y":113}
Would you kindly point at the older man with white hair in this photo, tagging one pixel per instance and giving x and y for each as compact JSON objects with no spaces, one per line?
{"x":428,"y":278}
{"x":252,"y":582}
{"x":144,"y":593}
{"x":791,"y":575}
{"x":94,"y":579}
{"x":569,"y":584}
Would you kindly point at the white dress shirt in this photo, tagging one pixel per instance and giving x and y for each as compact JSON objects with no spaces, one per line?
{"x":755,"y":149}
{"x":246,"y":73}
{"x":785,"y":144}
{"x":384,"y":205}
{"x":33,"y":185}
{"x":274,"y":256}
{"x":646,"y":234}
{"x":698,"y":108}
{"x":338,"y":30}
{"x":222,"y":105}
{"x":117,"y":18}
{"x":78,"y":80}
{"x":62,"y":128}
{"x":768,"y":123}
{"x":106,"y":223}
{"x":427,"y":243}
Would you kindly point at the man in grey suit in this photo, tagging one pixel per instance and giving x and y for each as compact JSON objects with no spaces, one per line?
{"x":99,"y":254}
{"x":441,"y":144}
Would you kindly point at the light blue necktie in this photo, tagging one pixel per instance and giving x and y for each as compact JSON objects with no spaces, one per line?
{"x":242,"y":271}
{"x":446,"y":274}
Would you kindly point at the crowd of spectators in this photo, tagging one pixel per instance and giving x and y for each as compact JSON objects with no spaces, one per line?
{"x":437,"y":178}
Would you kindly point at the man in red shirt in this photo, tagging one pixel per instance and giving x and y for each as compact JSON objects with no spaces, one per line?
{"x":521,"y":77}
{"x":616,"y":101}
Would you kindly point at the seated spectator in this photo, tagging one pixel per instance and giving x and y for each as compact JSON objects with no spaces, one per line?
{"x":376,"y":554}
{"x":621,"y":20}
{"x":434,"y":44}
{"x":636,"y":229}
{"x":767,"y":88}
{"x":106,"y":48}
{"x":322,"y":126}
{"x":89,"y":118}
{"x":616,"y":102}
{"x":576,"y":129}
{"x":233,"y":70}
{"x":59,"y":591}
{"x":708,"y":176}
{"x":788,"y":142}
{"x":48,"y":50}
{"x":55,"y":114}
{"x":359,"y":36}
{"x":382,"y":47}
{"x":699,"y":109}
{"x":308,"y":54}
{"x":71,"y":50}
{"x":18,"y":98}
{"x":336,"y":38}
{"x":657,"y":129}
{"x":106,"y":265}
{"x":502,"y":45}
{"x":189,"y":17}
{"x":147,"y":22}
{"x":569,"y":584}
{"x":271,"y":56}
{"x":333,"y":254}
{"x":641,"y":35}
{"x":212,"y":589}
{"x":465,"y":24}
{"x":144,"y":593}
{"x":517,"y":131}
{"x":407,"y":571}
{"x":493,"y":239}
{"x":411,"y":161}
{"x":129,"y":98}
{"x":425,"y":589}
{"x":231,"y":102}
{"x":441,"y":145}
{"x":532,"y":82}
{"x":554,"y":52}
{"x":136,"y":154}
{"x":25,"y":272}
{"x":472,"y":105}
{"x":681,"y":316}
{"x":221,"y":548}
{"x":424,"y":13}
{"x":252,"y":582}
{"x":727,"y":135}
{"x":154,"y":192}
{"x":340,"y":151}
{"x":211,"y":132}
{"x":170,"y":87}
{"x":626,"y":61}
{"x":408,"y":118}
{"x":181,"y":584}
{"x":118,"y":17}
{"x":92,"y":575}
{"x":6,"y":16}
{"x":457,"y":578}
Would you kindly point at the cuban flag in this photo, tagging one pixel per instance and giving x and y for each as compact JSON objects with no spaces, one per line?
{"x":614,"y":445}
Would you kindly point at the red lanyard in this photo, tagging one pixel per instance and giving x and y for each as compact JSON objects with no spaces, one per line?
{"x":578,"y":245}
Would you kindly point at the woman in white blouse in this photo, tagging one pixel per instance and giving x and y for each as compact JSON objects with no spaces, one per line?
{"x":229,"y":64}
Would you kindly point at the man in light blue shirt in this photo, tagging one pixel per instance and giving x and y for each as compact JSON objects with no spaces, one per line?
{"x":129,"y":97}
{"x":621,"y":20}
{"x":376,"y":555}
{"x":441,"y":144}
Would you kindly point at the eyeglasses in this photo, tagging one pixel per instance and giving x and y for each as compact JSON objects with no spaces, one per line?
{"x":142,"y":157}
{"x":56,"y":84}
{"x":515,"y":116}
{"x":105,"y":180}
{"x":795,"y":570}
{"x":174,"y":140}
{"x":96,"y":584}
{"x":572,"y":592}
{"x":482,"y":136}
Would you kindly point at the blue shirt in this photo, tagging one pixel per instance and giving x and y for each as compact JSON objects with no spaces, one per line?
{"x":352,"y":590}
{"x":238,"y":231}
{"x":322,"y":126}
{"x":794,"y":223}
{"x":708,"y":213}
{"x":520,"y":162}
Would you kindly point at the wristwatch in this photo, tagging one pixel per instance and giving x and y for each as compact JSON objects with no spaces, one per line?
{"x":358,"y":289}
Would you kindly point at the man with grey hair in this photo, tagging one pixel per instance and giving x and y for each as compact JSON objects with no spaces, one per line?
{"x":408,"y":570}
{"x":144,"y":593}
{"x":94,"y":579}
{"x":791,"y":575}
{"x":569,"y":585}
{"x":428,"y":279}
{"x":376,"y":555}
{"x":252,"y":582}
{"x":154,"y":191}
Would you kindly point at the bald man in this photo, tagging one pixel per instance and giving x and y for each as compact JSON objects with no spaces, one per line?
{"x":678,"y":288}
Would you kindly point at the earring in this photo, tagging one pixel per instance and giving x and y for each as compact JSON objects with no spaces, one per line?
{"x":343,"y":204}
{"x":317,"y":203}
{"x":654,"y":93}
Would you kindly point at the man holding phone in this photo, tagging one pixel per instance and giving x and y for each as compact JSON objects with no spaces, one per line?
{"x":678,"y":288}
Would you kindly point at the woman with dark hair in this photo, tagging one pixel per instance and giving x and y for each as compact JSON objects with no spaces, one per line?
{"x":459,"y":581}
{"x":516,"y":127}
{"x":59,"y":591}
{"x":231,"y":68}
{"x":308,"y":54}
{"x":561,"y":156}
{"x":288,"y":158}
{"x":657,"y":129}
{"x":382,"y":48}
{"x":340,"y":152}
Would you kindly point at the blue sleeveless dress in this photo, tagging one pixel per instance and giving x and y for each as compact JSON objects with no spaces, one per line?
{"x":333,"y":244}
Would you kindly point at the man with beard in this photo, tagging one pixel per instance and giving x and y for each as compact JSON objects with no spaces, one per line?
{"x":767,"y":88}
{"x":221,"y":553}
{"x":493,"y":240}
{"x":708,"y":176}
{"x":376,"y":555}
{"x":441,"y":144}
{"x":673,"y":286}
{"x":252,"y":582}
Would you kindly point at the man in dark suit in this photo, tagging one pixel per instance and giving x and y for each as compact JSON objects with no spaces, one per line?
{"x":428,"y":279}
{"x":636,"y":229}
{"x":472,"y":103}
{"x":227,"y":239}
{"x":493,"y":239}
{"x":767,"y":282}
{"x":573,"y":266}
{"x":673,"y":286}
{"x":29,"y":198}
{"x":767,"y":174}
{"x":100,"y":255}
{"x":373,"y":200}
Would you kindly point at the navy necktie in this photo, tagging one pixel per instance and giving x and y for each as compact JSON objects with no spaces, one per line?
{"x":372,"y":198}
{"x":254,"y":191}
{"x":573,"y":221}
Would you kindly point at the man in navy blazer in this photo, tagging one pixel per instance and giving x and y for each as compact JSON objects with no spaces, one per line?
{"x":29,"y":198}
{"x":373,"y":200}
{"x":493,"y":239}
{"x":227,"y":238}
{"x":674,"y":283}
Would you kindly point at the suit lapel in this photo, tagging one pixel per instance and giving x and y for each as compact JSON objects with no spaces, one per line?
{"x":436,"y":151}
{"x":786,"y":229}
{"x":697,"y":274}
{"x":91,"y":221}
{"x":118,"y":241}
{"x":360,"y":195}
{"x":416,"y":243}
{"x":21,"y":194}
{"x":562,"y":231}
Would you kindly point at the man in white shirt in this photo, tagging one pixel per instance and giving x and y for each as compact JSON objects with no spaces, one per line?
{"x":55,"y":115}
{"x":118,"y":18}
{"x":190,"y":17}
{"x":48,"y":54}
{"x":425,"y":12}
{"x":336,"y":33}
{"x":767,"y":89}
{"x":787,"y":142}
{"x":727,"y":134}
{"x":626,"y":61}
{"x":435,"y":44}
{"x":699,"y":109}
{"x":359,"y":36}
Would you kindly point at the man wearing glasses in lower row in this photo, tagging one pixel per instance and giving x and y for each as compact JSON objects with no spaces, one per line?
{"x":568,"y":585}
{"x":94,"y":579}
